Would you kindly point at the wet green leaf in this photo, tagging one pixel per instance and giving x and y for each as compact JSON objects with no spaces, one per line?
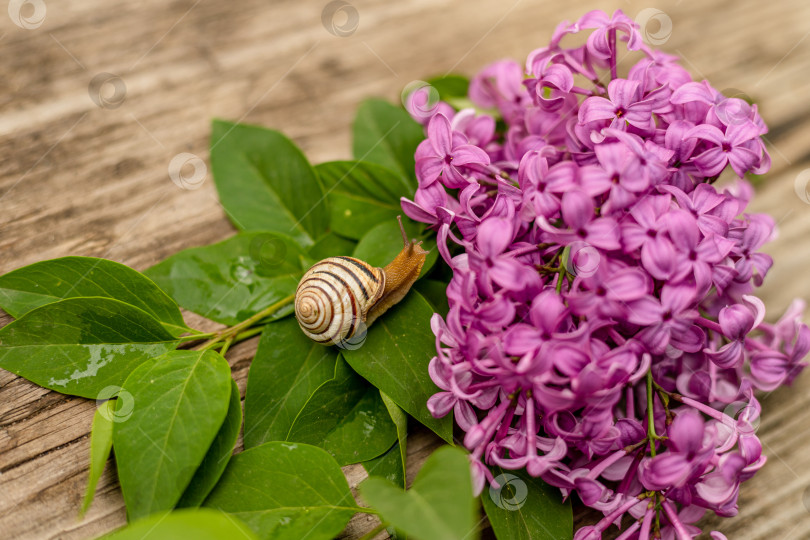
{"x":388,"y":466}
{"x":346,"y":417}
{"x":100,"y":446}
{"x":395,"y":358}
{"x":215,"y":461}
{"x":234,"y":279}
{"x":286,"y":491}
{"x":179,"y":401}
{"x":199,"y":524}
{"x":527,"y":508}
{"x":450,"y":86}
{"x":391,"y":465}
{"x":69,"y":277}
{"x":286,"y":371}
{"x":435,"y":292}
{"x":361,"y":195}
{"x":387,"y":135}
{"x":382,"y":243}
{"x":81,"y":346}
{"x":265,"y":183}
{"x":439,"y":505}
{"x":330,"y":245}
{"x":400,"y":420}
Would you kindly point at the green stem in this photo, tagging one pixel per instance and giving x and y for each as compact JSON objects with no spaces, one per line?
{"x":560,"y":279}
{"x":226,"y":346}
{"x":197,"y":332}
{"x":266,"y":312}
{"x":563,"y":256}
{"x":653,"y":437}
{"x":650,"y":414}
{"x":373,"y":532}
{"x":249,"y":333}
{"x":235,"y":330}
{"x":194,"y":337}
{"x":233,"y":340}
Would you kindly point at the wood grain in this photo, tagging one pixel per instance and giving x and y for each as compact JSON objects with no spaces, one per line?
{"x":79,"y":179}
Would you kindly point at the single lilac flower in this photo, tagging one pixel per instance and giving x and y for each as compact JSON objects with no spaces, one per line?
{"x":624,"y":106}
{"x":730,"y":148}
{"x":578,"y":213}
{"x":446,"y":154}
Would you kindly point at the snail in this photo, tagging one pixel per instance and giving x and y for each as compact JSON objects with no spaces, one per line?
{"x":338,"y":296}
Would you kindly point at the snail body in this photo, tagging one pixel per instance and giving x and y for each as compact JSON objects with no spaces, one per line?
{"x":339,"y":296}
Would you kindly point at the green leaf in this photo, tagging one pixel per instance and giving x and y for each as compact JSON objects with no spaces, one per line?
{"x":330,"y":245}
{"x":286,"y":491}
{"x":388,"y":466}
{"x":346,"y":417}
{"x":360,"y":195}
{"x":215,"y":461}
{"x":200,"y":524}
{"x":391,"y":465}
{"x":100,"y":446}
{"x":439,"y":505}
{"x":395,"y":358}
{"x":287,"y":368}
{"x":46,"y":282}
{"x":234,"y":279}
{"x":387,"y":135}
{"x":265,"y":183}
{"x":450,"y":86}
{"x":527,"y":508}
{"x":435,"y":292}
{"x":400,"y":420}
{"x":381,"y":244}
{"x":180,"y":401}
{"x":81,"y":346}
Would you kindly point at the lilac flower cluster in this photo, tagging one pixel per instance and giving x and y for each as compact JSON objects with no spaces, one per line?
{"x":602,"y":330}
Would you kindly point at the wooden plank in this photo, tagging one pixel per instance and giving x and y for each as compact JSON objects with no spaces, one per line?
{"x":79,"y":179}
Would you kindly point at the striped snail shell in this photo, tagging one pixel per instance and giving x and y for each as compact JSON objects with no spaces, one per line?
{"x":340,"y":295}
{"x":335,"y":296}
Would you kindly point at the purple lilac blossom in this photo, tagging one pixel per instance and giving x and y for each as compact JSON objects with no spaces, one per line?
{"x":597,"y":268}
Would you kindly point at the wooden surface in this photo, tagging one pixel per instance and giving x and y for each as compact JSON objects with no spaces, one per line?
{"x":79,"y":179}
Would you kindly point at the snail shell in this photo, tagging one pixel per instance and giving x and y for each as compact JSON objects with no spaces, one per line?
{"x":341,"y":295}
{"x":334,"y":297}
